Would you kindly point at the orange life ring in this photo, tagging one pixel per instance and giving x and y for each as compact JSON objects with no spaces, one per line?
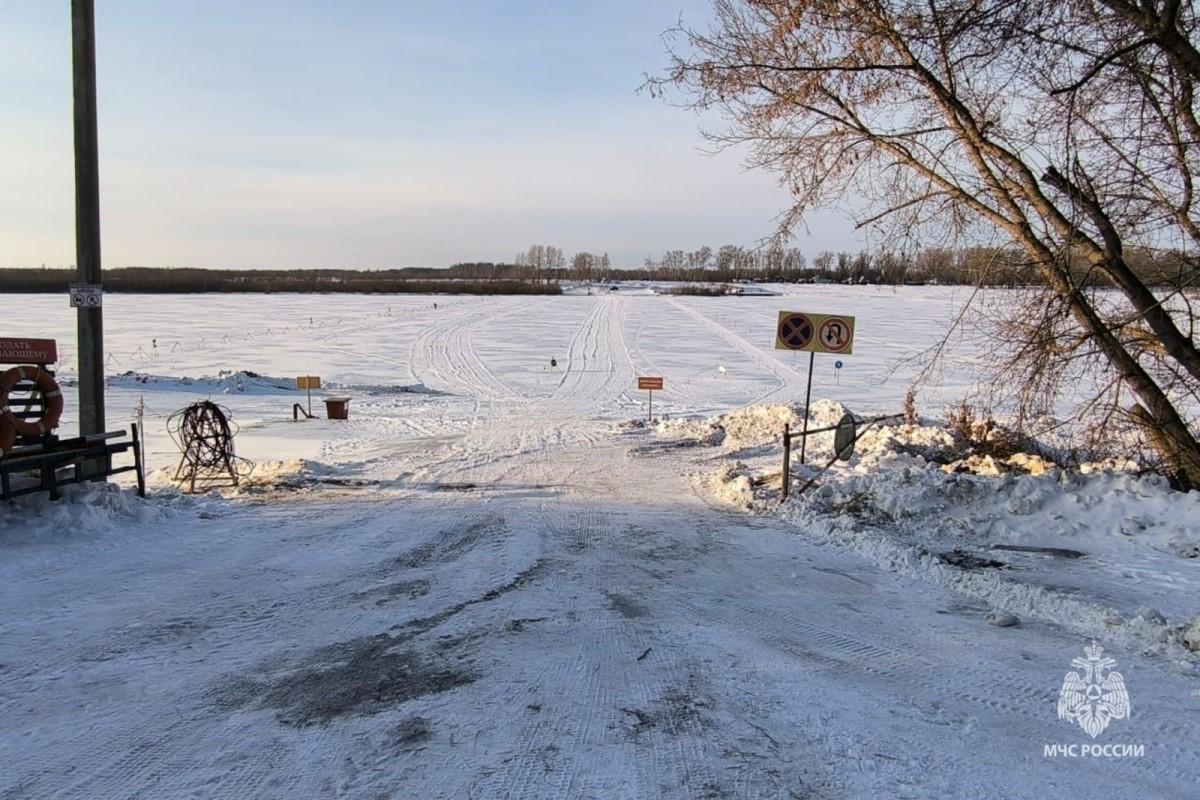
{"x":11,"y":425}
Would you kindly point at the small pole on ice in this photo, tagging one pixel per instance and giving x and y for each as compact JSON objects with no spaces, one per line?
{"x":807,"y":397}
{"x":140,"y":418}
{"x":787,"y":459}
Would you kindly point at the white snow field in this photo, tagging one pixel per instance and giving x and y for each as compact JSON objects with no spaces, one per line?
{"x":491,"y":582}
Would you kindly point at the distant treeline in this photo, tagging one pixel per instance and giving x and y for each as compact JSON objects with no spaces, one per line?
{"x":187,"y":281}
{"x":987,"y":266}
{"x":544,"y":267}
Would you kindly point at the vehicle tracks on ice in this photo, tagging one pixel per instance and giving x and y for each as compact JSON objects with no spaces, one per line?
{"x":777,"y":368}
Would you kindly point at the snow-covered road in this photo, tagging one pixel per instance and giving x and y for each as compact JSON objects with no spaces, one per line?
{"x":493,"y":592}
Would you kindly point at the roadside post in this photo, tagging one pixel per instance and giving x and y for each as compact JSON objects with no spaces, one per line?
{"x":650,"y":384}
{"x":799,"y":331}
{"x":308,"y":383}
{"x":786,"y":474}
{"x":86,"y":295}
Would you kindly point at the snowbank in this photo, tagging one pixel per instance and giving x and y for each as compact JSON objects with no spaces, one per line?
{"x":1102,"y":550}
{"x":752,"y":426}
{"x":91,"y":510}
{"x":225,"y":382}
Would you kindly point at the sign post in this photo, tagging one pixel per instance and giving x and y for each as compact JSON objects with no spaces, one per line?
{"x":308,"y":383}
{"x":650,"y":384}
{"x":815,"y":333}
{"x":90,"y":324}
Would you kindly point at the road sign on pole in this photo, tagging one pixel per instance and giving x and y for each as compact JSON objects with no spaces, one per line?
{"x":86,"y":296}
{"x":308,"y":383}
{"x":815,"y":333}
{"x":649,"y":384}
{"x":794,"y":332}
{"x":835,"y":335}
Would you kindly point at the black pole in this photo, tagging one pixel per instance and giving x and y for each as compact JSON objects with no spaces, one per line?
{"x":786,"y":474}
{"x":807,"y":396}
{"x":90,"y":322}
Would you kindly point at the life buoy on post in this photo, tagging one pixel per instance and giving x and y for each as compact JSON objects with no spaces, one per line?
{"x":12,"y":426}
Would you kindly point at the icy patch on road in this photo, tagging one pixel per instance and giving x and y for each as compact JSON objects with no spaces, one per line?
{"x":1101,"y":550}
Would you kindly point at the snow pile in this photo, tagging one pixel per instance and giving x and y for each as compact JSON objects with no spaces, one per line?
{"x":272,"y":471}
{"x":732,"y":484}
{"x":384,"y":389}
{"x":756,"y":425}
{"x":1191,"y":635}
{"x":225,"y":382}
{"x":86,"y":510}
{"x":1011,"y":529}
{"x":1047,"y":506}
{"x":293,"y":475}
{"x":252,"y":477}
{"x":752,"y":426}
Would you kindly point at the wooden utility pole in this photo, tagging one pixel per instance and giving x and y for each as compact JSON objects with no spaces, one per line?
{"x":87,"y":217}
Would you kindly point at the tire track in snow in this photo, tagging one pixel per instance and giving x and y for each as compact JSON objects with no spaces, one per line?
{"x":605,"y":367}
{"x":908,"y":671}
{"x":449,"y":346}
{"x":772,"y":365}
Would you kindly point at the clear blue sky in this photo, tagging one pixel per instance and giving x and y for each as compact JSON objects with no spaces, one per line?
{"x":364,"y":133}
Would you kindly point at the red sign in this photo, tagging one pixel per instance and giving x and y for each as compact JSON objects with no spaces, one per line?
{"x":650,"y":383}
{"x":28,"y":351}
{"x":835,"y":334}
{"x":794,"y":333}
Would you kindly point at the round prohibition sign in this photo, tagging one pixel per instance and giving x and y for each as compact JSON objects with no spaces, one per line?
{"x":834,"y":334}
{"x":795,"y":331}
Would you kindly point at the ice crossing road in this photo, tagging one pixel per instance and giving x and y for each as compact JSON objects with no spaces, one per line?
{"x":566,"y":622}
{"x":491,"y":591}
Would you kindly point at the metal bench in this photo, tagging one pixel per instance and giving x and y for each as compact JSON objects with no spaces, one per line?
{"x":49,"y":461}
{"x":60,"y":462}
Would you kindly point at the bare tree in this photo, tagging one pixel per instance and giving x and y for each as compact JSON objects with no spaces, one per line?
{"x":726,"y":256}
{"x":583,"y":264}
{"x":1068,"y":127}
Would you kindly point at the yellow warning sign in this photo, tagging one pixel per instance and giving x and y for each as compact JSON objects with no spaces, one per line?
{"x":817,"y":333}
